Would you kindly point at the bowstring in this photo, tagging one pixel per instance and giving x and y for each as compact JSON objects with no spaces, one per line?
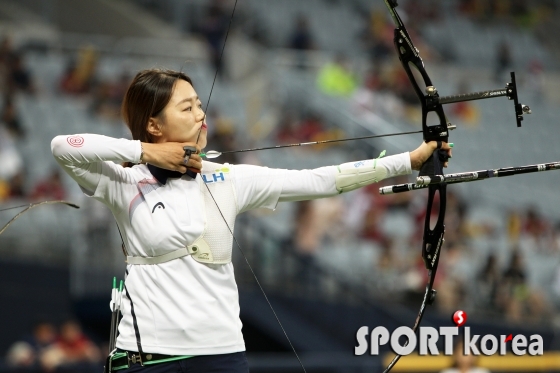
{"x":38,"y":203}
{"x":30,"y":206}
{"x":220,"y":211}
{"x":16,"y":207}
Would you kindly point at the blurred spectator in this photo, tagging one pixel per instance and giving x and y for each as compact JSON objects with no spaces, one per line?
{"x":301,"y":40}
{"x":214,"y":29}
{"x":72,"y":350}
{"x":371,"y":226}
{"x":44,"y":335}
{"x":514,"y":225}
{"x":11,"y":119}
{"x":287,"y":129}
{"x":108,"y":96}
{"x":423,"y":10}
{"x":301,"y":37}
{"x":456,"y":210}
{"x":373,"y":99}
{"x":536,"y":232}
{"x":6,"y":50}
{"x":306,"y":239}
{"x":503,"y":62}
{"x":79,"y":78}
{"x":4,"y":190}
{"x":6,"y":56}
{"x":25,"y":355}
{"x":521,"y":303}
{"x":49,"y":188}
{"x":488,"y":281}
{"x":514,"y":289}
{"x":366,"y":210}
{"x":538,"y":308}
{"x":535,"y":225}
{"x":377,"y":38}
{"x":450,"y":281}
{"x":525,"y":13}
{"x":20,"y":357}
{"x":222,"y":136}
{"x":17,"y":185}
{"x":75,"y":344}
{"x":68,"y":83}
{"x":463,"y":363}
{"x":388,"y":273}
{"x":336,"y":78}
{"x":309,"y":128}
{"x":316,"y":222}
{"x":10,"y":159}
{"x":555,"y":239}
{"x":20,"y":77}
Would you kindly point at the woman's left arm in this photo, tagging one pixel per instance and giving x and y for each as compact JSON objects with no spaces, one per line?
{"x":262,"y":187}
{"x":333,"y":180}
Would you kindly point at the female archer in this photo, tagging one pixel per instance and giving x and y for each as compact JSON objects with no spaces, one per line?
{"x":180,"y":308}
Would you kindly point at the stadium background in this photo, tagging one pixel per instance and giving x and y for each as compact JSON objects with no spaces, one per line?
{"x":292,"y":71}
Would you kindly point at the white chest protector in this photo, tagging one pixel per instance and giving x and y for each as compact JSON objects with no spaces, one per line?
{"x":214,"y":245}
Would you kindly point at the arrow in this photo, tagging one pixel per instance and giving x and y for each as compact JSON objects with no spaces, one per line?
{"x":215,"y":154}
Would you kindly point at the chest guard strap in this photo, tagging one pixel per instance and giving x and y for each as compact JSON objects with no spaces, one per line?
{"x":199,"y":250}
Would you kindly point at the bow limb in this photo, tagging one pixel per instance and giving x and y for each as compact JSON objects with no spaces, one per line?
{"x":33,"y":205}
{"x":429,"y":100}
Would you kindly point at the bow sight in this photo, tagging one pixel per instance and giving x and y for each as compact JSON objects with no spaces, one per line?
{"x":510,"y":92}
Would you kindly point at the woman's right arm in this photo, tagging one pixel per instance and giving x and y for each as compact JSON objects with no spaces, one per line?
{"x":82,"y":156}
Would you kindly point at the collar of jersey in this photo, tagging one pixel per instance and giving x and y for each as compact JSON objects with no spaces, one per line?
{"x":162,"y":175}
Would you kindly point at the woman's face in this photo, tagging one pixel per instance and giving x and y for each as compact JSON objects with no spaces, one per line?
{"x":183,"y":118}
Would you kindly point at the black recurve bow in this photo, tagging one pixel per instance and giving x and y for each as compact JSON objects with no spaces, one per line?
{"x":431,"y":102}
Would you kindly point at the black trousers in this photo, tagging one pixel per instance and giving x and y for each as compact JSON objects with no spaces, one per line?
{"x":226,"y":363}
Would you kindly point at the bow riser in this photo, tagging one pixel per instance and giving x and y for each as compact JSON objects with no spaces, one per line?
{"x":408,"y":54}
{"x":433,"y":238}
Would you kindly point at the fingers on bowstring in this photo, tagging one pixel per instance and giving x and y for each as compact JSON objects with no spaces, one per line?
{"x":196,"y":146}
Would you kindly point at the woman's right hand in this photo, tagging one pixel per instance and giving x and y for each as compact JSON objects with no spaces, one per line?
{"x":170,"y":156}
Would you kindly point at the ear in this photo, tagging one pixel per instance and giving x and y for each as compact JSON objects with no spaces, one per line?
{"x":154,"y":127}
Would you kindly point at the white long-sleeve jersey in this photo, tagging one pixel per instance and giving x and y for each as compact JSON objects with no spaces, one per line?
{"x":185,"y":307}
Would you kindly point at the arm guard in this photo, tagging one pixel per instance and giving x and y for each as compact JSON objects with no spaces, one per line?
{"x":355,"y":175}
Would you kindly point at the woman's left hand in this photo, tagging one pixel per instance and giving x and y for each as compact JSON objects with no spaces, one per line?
{"x":425,"y":151}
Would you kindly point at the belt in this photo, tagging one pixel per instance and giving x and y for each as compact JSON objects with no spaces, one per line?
{"x":124,"y":359}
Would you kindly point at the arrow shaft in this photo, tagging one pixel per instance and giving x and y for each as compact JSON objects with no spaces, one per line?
{"x":320,"y":142}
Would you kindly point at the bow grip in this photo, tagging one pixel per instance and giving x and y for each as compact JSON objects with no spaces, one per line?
{"x":189,"y":150}
{"x":434,"y":164}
